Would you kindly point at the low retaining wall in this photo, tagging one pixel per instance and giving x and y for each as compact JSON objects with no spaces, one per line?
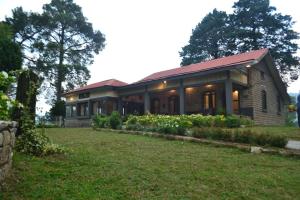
{"x":85,"y":122}
{"x":7,"y":142}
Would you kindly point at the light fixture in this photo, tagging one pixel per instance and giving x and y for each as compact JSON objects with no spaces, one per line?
{"x":71,"y":98}
{"x":236,"y":91}
{"x":209,"y":85}
{"x":248,"y":66}
{"x":165,"y":82}
{"x":189,"y":89}
{"x":172,"y":91}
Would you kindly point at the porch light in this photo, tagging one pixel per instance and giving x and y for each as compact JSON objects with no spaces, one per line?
{"x":248,"y":66}
{"x":189,"y":89}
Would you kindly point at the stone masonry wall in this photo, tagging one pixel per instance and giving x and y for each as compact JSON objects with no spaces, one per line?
{"x":252,"y":97}
{"x":7,"y":141}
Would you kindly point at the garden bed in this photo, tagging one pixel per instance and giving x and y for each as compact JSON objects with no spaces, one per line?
{"x":216,"y":127}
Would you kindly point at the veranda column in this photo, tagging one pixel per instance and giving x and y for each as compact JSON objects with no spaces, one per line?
{"x":146,"y":101}
{"x":181,"y":98}
{"x":89,"y":108}
{"x":228,"y":93}
{"x":120,"y":106}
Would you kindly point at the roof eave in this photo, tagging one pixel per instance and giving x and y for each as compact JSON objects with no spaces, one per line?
{"x":189,"y":75}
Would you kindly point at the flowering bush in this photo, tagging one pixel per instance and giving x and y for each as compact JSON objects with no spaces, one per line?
{"x":6,"y":104}
{"x":178,"y":124}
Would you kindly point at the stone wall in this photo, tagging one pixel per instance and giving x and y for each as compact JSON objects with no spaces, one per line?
{"x":7,"y":141}
{"x":252,"y":97}
{"x":73,"y":122}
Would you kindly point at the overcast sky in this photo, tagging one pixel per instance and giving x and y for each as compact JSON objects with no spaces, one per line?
{"x":142,"y":36}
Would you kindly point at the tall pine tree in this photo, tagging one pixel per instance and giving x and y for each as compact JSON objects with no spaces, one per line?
{"x":59,"y":43}
{"x":257,"y":25}
{"x":254,"y":24}
{"x":208,"y":40}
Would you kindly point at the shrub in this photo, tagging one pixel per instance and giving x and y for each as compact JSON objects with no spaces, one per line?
{"x":241,"y":136}
{"x":6,"y":103}
{"x":115,"y":120}
{"x":232,"y":121}
{"x":32,"y":141}
{"x":100,"y":121}
{"x":278,"y":141}
{"x":219,"y":121}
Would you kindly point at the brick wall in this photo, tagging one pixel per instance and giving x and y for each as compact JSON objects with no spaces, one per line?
{"x":7,"y":141}
{"x":252,"y":97}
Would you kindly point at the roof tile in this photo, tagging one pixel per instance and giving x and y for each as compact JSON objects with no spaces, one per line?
{"x":207,"y":65}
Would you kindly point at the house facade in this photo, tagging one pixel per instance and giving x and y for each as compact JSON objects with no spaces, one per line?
{"x":245,"y":84}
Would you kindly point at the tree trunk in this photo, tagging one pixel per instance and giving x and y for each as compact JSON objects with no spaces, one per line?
{"x":28,"y":83}
{"x":60,"y":70}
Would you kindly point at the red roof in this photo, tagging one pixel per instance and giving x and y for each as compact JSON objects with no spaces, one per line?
{"x":109,"y":82}
{"x":207,"y":65}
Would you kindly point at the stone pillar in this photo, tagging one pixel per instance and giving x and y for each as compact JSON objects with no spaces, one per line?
{"x":120,"y":106}
{"x":219,"y":100}
{"x":228,"y":93}
{"x":146,"y":101}
{"x":90,"y":108}
{"x":181,"y":98}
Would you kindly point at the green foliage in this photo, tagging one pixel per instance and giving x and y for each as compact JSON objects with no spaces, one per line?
{"x":115,"y":120}
{"x":178,"y":124}
{"x":58,"y":109}
{"x":241,"y":136}
{"x":10,"y":52}
{"x":63,"y":39}
{"x":232,"y":122}
{"x":290,"y":118}
{"x":210,"y":39}
{"x":254,"y":24}
{"x":6,"y":103}
{"x":32,"y":141}
{"x":100,"y":121}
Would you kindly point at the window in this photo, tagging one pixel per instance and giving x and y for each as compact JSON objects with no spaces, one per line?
{"x":235,"y":102}
{"x":73,"y":111}
{"x":209,"y":100}
{"x":68,"y":111}
{"x":264,"y":100}
{"x":278,"y":104}
{"x":83,"y":109}
{"x":84,"y":95}
{"x":262,"y":75}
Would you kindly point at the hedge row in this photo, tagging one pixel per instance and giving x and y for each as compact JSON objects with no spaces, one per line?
{"x":212,"y":127}
{"x":178,"y":124}
{"x":241,"y":136}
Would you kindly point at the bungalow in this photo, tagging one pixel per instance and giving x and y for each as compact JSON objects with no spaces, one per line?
{"x":245,"y":84}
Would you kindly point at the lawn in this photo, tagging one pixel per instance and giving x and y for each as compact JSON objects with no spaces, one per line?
{"x":105,"y":165}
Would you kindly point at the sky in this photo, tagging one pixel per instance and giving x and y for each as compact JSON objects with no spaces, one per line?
{"x":145,"y":36}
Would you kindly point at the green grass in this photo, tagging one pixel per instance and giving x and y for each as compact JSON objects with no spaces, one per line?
{"x":289,"y":132}
{"x":105,"y":165}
